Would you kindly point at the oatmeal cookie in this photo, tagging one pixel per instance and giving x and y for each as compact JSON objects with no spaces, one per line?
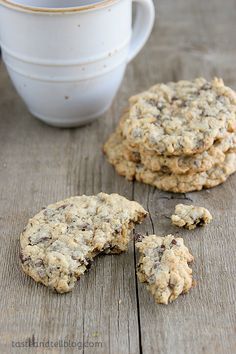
{"x":163,"y":265}
{"x":59,"y":243}
{"x":190,"y":216}
{"x":182,"y":118}
{"x":192,"y":164}
{"x":182,"y":164}
{"x":123,"y":161}
{"x":189,"y":164}
{"x":188,"y":183}
{"x":171,"y":182}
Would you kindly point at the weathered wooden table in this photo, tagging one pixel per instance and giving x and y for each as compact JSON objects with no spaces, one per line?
{"x":109,"y":311}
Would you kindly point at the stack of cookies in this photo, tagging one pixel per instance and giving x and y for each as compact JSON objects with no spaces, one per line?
{"x":178,"y":137}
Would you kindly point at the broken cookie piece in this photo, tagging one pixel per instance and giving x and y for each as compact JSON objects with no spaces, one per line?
{"x":163,"y":265}
{"x":59,"y":243}
{"x":190,"y":216}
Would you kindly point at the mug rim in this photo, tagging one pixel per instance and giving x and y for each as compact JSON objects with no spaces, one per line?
{"x":60,"y":10}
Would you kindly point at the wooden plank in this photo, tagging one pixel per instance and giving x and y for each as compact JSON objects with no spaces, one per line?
{"x":39,"y":165}
{"x":193,"y":38}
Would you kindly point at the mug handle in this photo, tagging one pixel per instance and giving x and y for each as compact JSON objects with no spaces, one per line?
{"x":142,"y":28}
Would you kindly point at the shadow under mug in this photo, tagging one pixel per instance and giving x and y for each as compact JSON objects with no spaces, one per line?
{"x":67,"y":62}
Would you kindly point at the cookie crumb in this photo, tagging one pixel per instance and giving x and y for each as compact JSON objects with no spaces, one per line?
{"x":163,"y":265}
{"x":190,"y":216}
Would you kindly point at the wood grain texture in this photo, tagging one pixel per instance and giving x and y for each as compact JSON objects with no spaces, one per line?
{"x":40,"y":165}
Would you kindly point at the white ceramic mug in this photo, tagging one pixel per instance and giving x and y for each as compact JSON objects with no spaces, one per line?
{"x":67,"y":58}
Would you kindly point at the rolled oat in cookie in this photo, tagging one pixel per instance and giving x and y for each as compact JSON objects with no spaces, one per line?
{"x":163,"y":266}
{"x":181,"y":118}
{"x":190,"y":216}
{"x":60,"y":242}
